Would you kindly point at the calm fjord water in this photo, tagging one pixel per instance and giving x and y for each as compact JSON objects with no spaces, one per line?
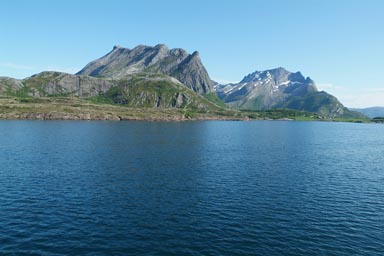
{"x":191,"y":188}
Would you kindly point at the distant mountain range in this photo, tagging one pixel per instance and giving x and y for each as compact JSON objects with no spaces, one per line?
{"x":159,"y":77}
{"x":371,"y":112}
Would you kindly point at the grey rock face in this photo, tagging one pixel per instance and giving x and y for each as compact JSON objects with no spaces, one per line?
{"x":57,"y":83}
{"x":123,"y":62}
{"x":142,"y":90}
{"x":7,"y":83}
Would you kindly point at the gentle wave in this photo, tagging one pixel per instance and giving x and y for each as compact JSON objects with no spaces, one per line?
{"x":198,"y":188}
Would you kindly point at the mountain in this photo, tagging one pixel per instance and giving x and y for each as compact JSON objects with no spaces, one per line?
{"x":122,"y":62}
{"x":139,"y":90}
{"x":371,"y":112}
{"x":142,"y":77}
{"x":279,"y":88}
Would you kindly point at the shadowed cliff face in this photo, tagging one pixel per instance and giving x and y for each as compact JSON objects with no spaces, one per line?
{"x":122,"y":62}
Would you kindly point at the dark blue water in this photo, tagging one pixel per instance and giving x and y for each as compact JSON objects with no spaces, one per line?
{"x":192,"y":188}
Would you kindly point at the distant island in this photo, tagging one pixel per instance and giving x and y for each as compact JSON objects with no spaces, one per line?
{"x":162,"y":84}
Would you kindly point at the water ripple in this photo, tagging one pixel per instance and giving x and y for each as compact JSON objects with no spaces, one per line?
{"x":199,"y":188}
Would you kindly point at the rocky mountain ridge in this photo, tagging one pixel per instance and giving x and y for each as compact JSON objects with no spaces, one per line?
{"x":142,"y":77}
{"x":123,"y":62}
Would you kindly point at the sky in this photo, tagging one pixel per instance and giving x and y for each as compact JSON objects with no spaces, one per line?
{"x":338,"y":43}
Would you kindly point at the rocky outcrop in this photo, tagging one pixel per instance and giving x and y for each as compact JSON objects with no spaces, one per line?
{"x":192,"y":73}
{"x":57,"y":83}
{"x":123,"y":62}
{"x":60,"y":116}
{"x":9,"y":84}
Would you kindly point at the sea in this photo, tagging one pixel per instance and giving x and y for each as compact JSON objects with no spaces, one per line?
{"x":191,"y":188}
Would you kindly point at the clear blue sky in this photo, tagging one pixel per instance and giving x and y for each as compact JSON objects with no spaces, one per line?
{"x":338,"y":43}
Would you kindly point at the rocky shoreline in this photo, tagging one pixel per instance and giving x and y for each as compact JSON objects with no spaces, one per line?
{"x":108,"y":117}
{"x":77,"y":109}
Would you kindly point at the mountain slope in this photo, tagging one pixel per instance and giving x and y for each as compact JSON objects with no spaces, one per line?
{"x":139,"y":90}
{"x":371,"y":112}
{"x":155,"y":91}
{"x":62,"y":84}
{"x":279,"y":88}
{"x":321,"y":103}
{"x":8,"y":84}
{"x":123,"y":62}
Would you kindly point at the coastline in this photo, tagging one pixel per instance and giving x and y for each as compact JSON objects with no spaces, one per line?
{"x":90,"y":117}
{"x":55,"y":108}
{"x":78,"y":109}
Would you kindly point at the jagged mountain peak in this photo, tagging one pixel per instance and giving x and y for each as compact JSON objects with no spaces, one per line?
{"x":123,"y":62}
{"x":178,"y":51}
{"x":117,"y":46}
{"x":276,"y":73}
{"x":196,"y":54}
{"x":161,"y":46}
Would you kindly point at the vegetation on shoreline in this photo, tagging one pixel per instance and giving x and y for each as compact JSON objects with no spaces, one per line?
{"x":74,"y":108}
